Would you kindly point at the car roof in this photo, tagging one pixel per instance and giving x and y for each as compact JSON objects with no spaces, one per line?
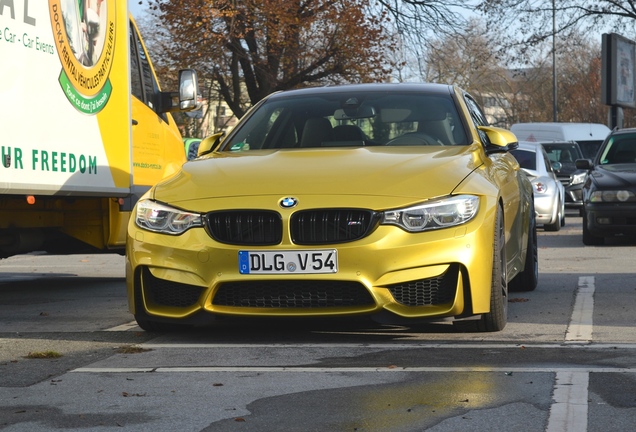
{"x":429,"y":88}
{"x":568,"y":143}
{"x":623,"y":131}
{"x":529,"y":145}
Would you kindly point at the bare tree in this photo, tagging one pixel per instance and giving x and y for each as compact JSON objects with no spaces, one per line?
{"x":515,"y":92}
{"x":251,"y":48}
{"x":532,"y":20}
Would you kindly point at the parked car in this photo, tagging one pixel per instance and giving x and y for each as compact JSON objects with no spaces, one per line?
{"x":609,"y":191}
{"x":396,"y":201}
{"x":572,"y":178}
{"x":549,"y":201}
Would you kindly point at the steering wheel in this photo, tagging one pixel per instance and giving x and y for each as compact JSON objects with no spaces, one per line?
{"x":413,"y":139}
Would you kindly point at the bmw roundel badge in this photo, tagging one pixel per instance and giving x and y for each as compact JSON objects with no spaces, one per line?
{"x":288,"y":202}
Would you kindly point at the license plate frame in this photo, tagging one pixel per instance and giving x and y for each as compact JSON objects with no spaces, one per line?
{"x":288,"y":262}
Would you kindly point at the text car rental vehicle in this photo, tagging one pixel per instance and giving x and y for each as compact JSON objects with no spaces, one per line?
{"x":367,"y":199}
{"x":609,"y":191}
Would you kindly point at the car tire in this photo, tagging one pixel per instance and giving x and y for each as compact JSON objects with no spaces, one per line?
{"x":528,"y":279}
{"x":497,"y":318}
{"x":590,"y":239}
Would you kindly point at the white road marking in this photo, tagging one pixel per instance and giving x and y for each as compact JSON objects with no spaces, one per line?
{"x":568,"y":413}
{"x":124,"y":327}
{"x":581,"y":322}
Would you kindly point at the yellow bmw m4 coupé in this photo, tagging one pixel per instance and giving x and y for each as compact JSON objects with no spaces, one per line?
{"x":369,"y":199}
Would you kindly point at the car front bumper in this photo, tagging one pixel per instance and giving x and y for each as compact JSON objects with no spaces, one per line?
{"x":608,"y":220}
{"x":574,"y":196}
{"x":429,"y":275}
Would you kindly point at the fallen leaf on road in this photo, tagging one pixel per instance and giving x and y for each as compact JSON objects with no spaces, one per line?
{"x":518,"y":300}
{"x":43,"y":355}
{"x":131,"y":349}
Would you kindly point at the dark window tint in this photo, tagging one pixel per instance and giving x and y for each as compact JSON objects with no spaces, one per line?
{"x":478,"y":116}
{"x":564,"y":153}
{"x":135,"y":69}
{"x":351,"y":119}
{"x":526,"y":159}
{"x":619,"y":149}
{"x":143,"y":84}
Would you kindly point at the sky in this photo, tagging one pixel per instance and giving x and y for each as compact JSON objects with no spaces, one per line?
{"x":136,"y":9}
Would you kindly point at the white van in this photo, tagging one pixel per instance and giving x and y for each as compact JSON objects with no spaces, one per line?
{"x":589,"y":136}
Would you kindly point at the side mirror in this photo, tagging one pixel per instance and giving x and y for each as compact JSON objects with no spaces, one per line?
{"x":188,"y":90}
{"x":556,"y":166}
{"x":210,"y":143}
{"x":187,"y":98}
{"x":584,"y":164}
{"x":501,"y":140}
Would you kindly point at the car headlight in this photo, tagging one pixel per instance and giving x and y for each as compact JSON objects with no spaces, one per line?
{"x":577,"y":178}
{"x":442,"y":213}
{"x":612,"y":196}
{"x":161,"y":218}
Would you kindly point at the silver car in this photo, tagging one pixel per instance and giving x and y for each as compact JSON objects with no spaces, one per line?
{"x":549,"y":194}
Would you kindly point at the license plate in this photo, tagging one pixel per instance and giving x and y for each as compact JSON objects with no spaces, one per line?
{"x":288,"y":262}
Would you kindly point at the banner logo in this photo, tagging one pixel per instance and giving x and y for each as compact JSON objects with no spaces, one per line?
{"x":84,"y":32}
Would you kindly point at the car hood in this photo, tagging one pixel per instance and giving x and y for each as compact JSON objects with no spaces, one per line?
{"x":611,"y":176}
{"x":415,"y":172}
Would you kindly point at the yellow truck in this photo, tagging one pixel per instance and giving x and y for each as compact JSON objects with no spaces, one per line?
{"x":85,"y":128}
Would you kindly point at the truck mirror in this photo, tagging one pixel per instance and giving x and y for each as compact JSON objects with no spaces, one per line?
{"x":188,"y":90}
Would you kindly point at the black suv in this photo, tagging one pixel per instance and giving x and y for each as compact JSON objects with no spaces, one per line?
{"x":566,"y":153}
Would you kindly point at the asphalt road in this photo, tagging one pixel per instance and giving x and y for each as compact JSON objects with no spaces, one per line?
{"x":565,"y":362}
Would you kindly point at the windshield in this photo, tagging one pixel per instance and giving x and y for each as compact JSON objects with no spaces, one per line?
{"x":350,"y":120}
{"x":620,"y":148}
{"x":564,"y":153}
{"x":589,"y":148}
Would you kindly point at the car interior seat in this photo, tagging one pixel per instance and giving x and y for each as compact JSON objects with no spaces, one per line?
{"x":347,"y":133}
{"x":566,"y":156}
{"x":316,"y":131}
{"x":439,"y":129}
